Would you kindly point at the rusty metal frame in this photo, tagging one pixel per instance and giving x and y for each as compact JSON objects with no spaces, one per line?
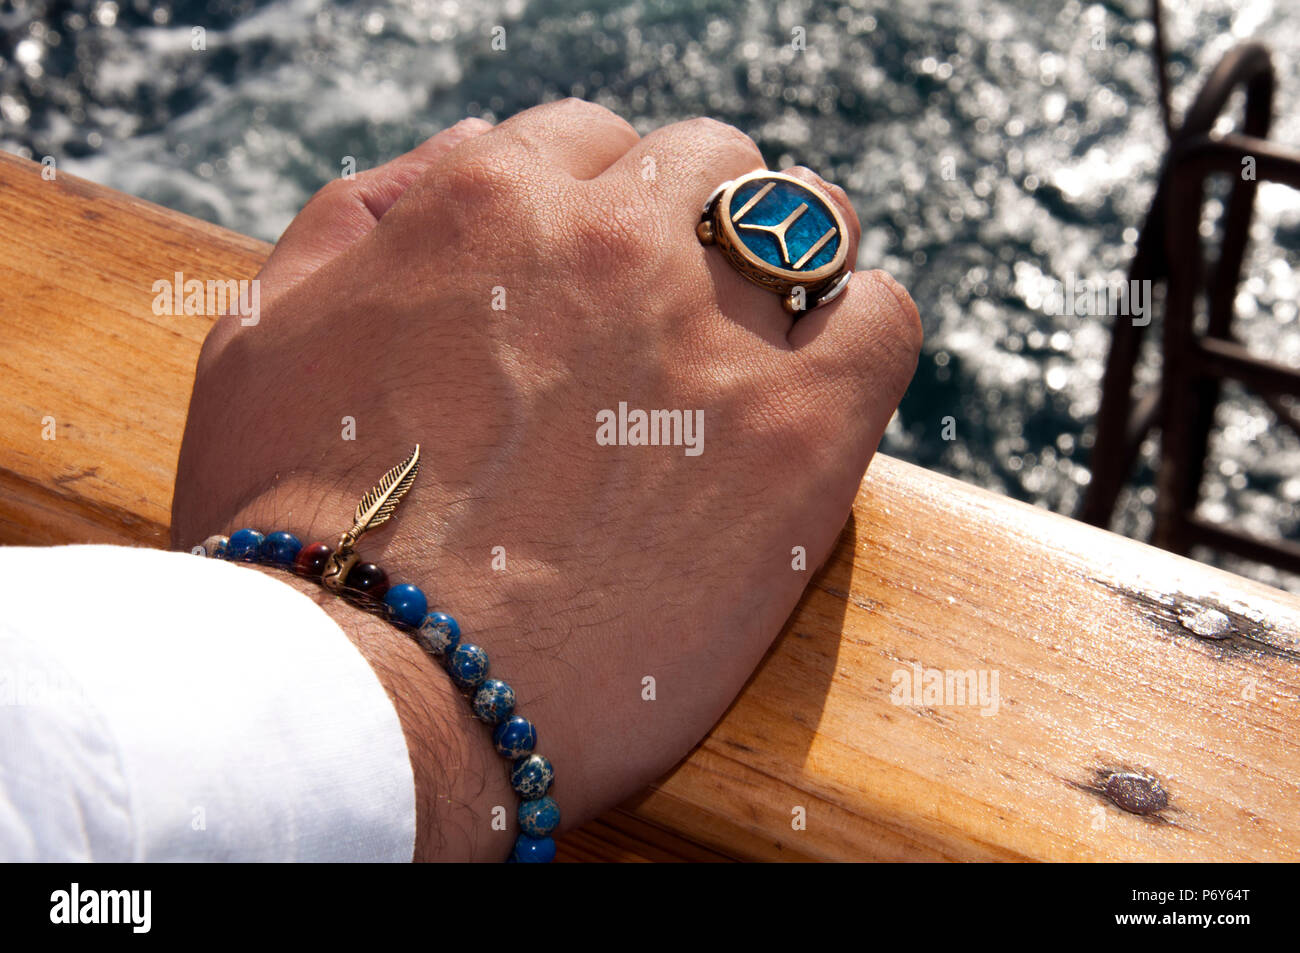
{"x":1195,"y":363}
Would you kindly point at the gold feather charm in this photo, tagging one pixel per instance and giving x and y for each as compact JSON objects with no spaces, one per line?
{"x":375,"y":509}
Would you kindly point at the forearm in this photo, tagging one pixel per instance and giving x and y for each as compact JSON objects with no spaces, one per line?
{"x":459,"y":778}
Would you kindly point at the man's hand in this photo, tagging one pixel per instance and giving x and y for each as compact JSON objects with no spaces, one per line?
{"x":486,"y":296}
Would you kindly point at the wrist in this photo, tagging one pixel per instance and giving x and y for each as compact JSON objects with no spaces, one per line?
{"x":458,"y":777}
{"x":461,"y":782}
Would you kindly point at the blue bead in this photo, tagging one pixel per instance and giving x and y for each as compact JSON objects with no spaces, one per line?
{"x":534,"y":850}
{"x":281,"y":548}
{"x":406,"y":604}
{"x":494,"y":701}
{"x":515,"y":737}
{"x":439,"y":634}
{"x":531,"y":776}
{"x":468,"y":666}
{"x":245,"y":546}
{"x":538,"y":818}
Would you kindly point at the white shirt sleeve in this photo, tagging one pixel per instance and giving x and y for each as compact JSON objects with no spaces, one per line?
{"x":160,"y":706}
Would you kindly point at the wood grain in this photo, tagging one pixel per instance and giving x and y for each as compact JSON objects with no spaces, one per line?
{"x":1110,"y":657}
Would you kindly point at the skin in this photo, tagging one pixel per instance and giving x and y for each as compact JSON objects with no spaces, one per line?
{"x":621,"y":562}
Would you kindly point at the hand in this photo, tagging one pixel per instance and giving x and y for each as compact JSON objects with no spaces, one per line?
{"x":486,"y":296}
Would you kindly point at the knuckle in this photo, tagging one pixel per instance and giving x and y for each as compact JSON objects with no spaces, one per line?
{"x":480,"y":181}
{"x":581,"y":106}
{"x":723,"y":133}
{"x":572,"y":111}
{"x":471,"y":124}
{"x":334,"y":193}
{"x":468,"y":203}
{"x":342,"y":203}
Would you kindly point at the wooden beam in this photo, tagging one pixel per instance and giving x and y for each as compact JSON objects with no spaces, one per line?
{"x":1146,"y":706}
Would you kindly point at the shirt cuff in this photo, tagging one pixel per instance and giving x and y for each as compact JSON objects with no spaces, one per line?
{"x":159,"y":706}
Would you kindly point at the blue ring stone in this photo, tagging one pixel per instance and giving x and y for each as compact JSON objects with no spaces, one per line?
{"x":406,"y":604}
{"x":531,"y":776}
{"x":533,"y":850}
{"x":539,"y":817}
{"x":281,"y":548}
{"x":468,"y":666}
{"x":772,"y":210}
{"x":439,"y":634}
{"x":245,"y":546}
{"x":515,"y":737}
{"x":494,"y":701}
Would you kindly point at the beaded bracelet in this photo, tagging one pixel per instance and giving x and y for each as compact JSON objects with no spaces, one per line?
{"x":364,"y":584}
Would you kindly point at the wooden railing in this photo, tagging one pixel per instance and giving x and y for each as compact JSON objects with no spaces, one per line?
{"x":1136,"y":705}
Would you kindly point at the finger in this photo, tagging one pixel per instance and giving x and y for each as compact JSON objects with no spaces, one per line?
{"x":856,"y":355}
{"x":683,"y":163}
{"x":346,"y":209}
{"x":671,"y":173}
{"x":573,"y":135}
{"x":382,"y":187}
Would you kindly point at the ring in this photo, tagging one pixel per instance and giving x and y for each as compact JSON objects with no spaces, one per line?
{"x":780,"y":233}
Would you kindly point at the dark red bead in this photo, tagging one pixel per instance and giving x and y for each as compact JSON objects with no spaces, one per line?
{"x":367,"y":579}
{"x":311,"y":559}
